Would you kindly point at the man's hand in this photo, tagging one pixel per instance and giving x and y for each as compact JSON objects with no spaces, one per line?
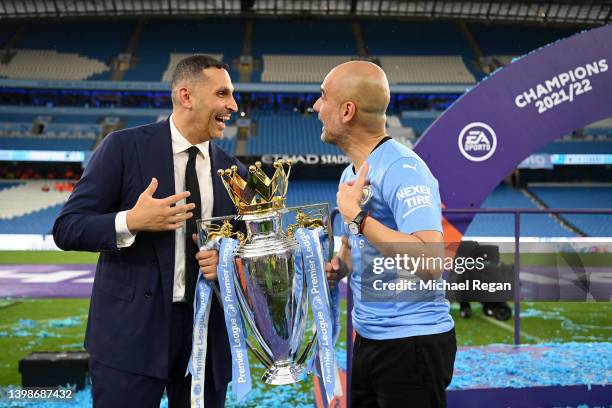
{"x":335,"y":270}
{"x":152,"y":214}
{"x":350,"y":194}
{"x":208,"y":261}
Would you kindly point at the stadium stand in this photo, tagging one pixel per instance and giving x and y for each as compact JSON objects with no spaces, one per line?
{"x":576,"y":196}
{"x":287,"y":133}
{"x":52,"y":65}
{"x":299,"y":68}
{"x":28,"y":202}
{"x":502,"y":225}
{"x":313,"y":37}
{"x":37,"y":222}
{"x":500,"y":40}
{"x":175,"y":58}
{"x":419,"y":125}
{"x":99,"y":41}
{"x":600,"y":130}
{"x":447,"y":69}
{"x":161,"y":38}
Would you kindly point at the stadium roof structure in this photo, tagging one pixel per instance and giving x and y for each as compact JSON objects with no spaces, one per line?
{"x":532,"y":11}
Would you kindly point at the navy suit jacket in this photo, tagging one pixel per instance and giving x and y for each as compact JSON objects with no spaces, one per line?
{"x":131,"y":302}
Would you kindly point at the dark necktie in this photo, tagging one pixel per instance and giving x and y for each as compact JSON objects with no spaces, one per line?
{"x":191,"y":264}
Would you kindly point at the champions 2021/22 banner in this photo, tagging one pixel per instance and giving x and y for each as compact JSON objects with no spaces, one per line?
{"x":513,"y":113}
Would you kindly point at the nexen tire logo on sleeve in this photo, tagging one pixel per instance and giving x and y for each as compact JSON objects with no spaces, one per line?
{"x":477,"y":141}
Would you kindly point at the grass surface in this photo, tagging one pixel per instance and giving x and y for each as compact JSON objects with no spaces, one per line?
{"x":59,"y":324}
{"x":48,"y":257}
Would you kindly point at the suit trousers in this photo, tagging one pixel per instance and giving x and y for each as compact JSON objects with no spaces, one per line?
{"x":113,"y":388}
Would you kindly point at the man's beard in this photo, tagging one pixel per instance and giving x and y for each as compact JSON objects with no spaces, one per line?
{"x":329,"y":138}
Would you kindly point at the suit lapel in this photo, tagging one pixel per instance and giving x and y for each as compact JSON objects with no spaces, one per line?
{"x":155,"y":159}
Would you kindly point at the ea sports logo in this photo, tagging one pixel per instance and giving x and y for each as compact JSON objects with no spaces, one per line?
{"x":477,"y":141}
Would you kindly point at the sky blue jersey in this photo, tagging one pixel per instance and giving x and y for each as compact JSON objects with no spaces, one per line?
{"x":405,"y":198}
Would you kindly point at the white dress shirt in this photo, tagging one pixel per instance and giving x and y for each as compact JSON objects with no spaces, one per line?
{"x":180,"y":145}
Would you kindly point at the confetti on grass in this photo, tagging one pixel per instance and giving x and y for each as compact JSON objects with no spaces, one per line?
{"x":547,"y":364}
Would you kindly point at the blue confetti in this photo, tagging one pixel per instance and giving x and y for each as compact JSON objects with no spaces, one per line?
{"x":67,"y":322}
{"x":547,"y":364}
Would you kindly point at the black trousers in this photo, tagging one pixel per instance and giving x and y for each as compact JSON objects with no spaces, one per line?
{"x":405,"y":372}
{"x":114,"y":388}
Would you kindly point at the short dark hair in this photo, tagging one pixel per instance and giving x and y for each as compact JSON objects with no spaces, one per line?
{"x":191,"y":68}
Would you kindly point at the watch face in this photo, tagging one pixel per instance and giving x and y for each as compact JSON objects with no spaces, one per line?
{"x":353,"y":228}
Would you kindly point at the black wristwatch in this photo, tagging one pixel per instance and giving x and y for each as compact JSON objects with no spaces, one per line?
{"x":355,"y":226}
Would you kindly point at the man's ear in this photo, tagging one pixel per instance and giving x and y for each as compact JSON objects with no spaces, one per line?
{"x":349,"y":110}
{"x":184,"y":97}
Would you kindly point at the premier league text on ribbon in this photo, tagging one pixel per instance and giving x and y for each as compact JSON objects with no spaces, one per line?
{"x":240,"y":371}
{"x":319,"y":304}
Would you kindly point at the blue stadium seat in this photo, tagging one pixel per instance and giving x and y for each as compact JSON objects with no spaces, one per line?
{"x":288,"y":133}
{"x":99,"y":40}
{"x":161,"y":37}
{"x":580,"y":197}
{"x":419,"y":125}
{"x":414,"y":38}
{"x":39,"y":222}
{"x":515,"y":40}
{"x":532,"y":225}
{"x":314,"y":37}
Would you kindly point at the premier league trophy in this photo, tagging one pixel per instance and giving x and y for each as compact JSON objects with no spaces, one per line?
{"x":268,"y":276}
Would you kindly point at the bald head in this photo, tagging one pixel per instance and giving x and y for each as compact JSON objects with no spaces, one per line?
{"x":363,"y":83}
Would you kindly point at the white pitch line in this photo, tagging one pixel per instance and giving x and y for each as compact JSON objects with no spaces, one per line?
{"x":510,"y":328}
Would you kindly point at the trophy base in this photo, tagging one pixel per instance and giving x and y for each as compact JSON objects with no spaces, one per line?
{"x":284,"y":374}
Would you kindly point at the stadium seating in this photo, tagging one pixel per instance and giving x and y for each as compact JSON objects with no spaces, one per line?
{"x":100,"y":41}
{"x":51,"y":65}
{"x":287,"y":133}
{"x":580,"y":197}
{"x":175,"y":58}
{"x":161,"y":38}
{"x":447,"y":69}
{"x":28,"y":198}
{"x":600,"y":130}
{"x":419,"y":125}
{"x":309,"y":37}
{"x":37,"y":222}
{"x":414,"y":38}
{"x":532,"y":225}
{"x":299,"y":68}
{"x":515,"y":40}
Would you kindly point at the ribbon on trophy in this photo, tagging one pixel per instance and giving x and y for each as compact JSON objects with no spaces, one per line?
{"x":197,"y":360}
{"x":322,"y":308}
{"x":241,"y":374}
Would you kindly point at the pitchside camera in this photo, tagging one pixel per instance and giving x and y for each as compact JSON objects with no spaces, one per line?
{"x":494,"y":304}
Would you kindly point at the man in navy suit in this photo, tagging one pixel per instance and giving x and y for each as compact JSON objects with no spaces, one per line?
{"x":136,"y":204}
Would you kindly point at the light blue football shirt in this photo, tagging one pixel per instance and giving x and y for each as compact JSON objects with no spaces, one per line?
{"x":405,"y":198}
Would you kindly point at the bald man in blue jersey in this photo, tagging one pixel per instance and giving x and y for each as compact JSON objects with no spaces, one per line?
{"x":405,"y":346}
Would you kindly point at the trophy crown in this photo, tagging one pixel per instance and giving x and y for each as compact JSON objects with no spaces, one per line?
{"x":258,"y":193}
